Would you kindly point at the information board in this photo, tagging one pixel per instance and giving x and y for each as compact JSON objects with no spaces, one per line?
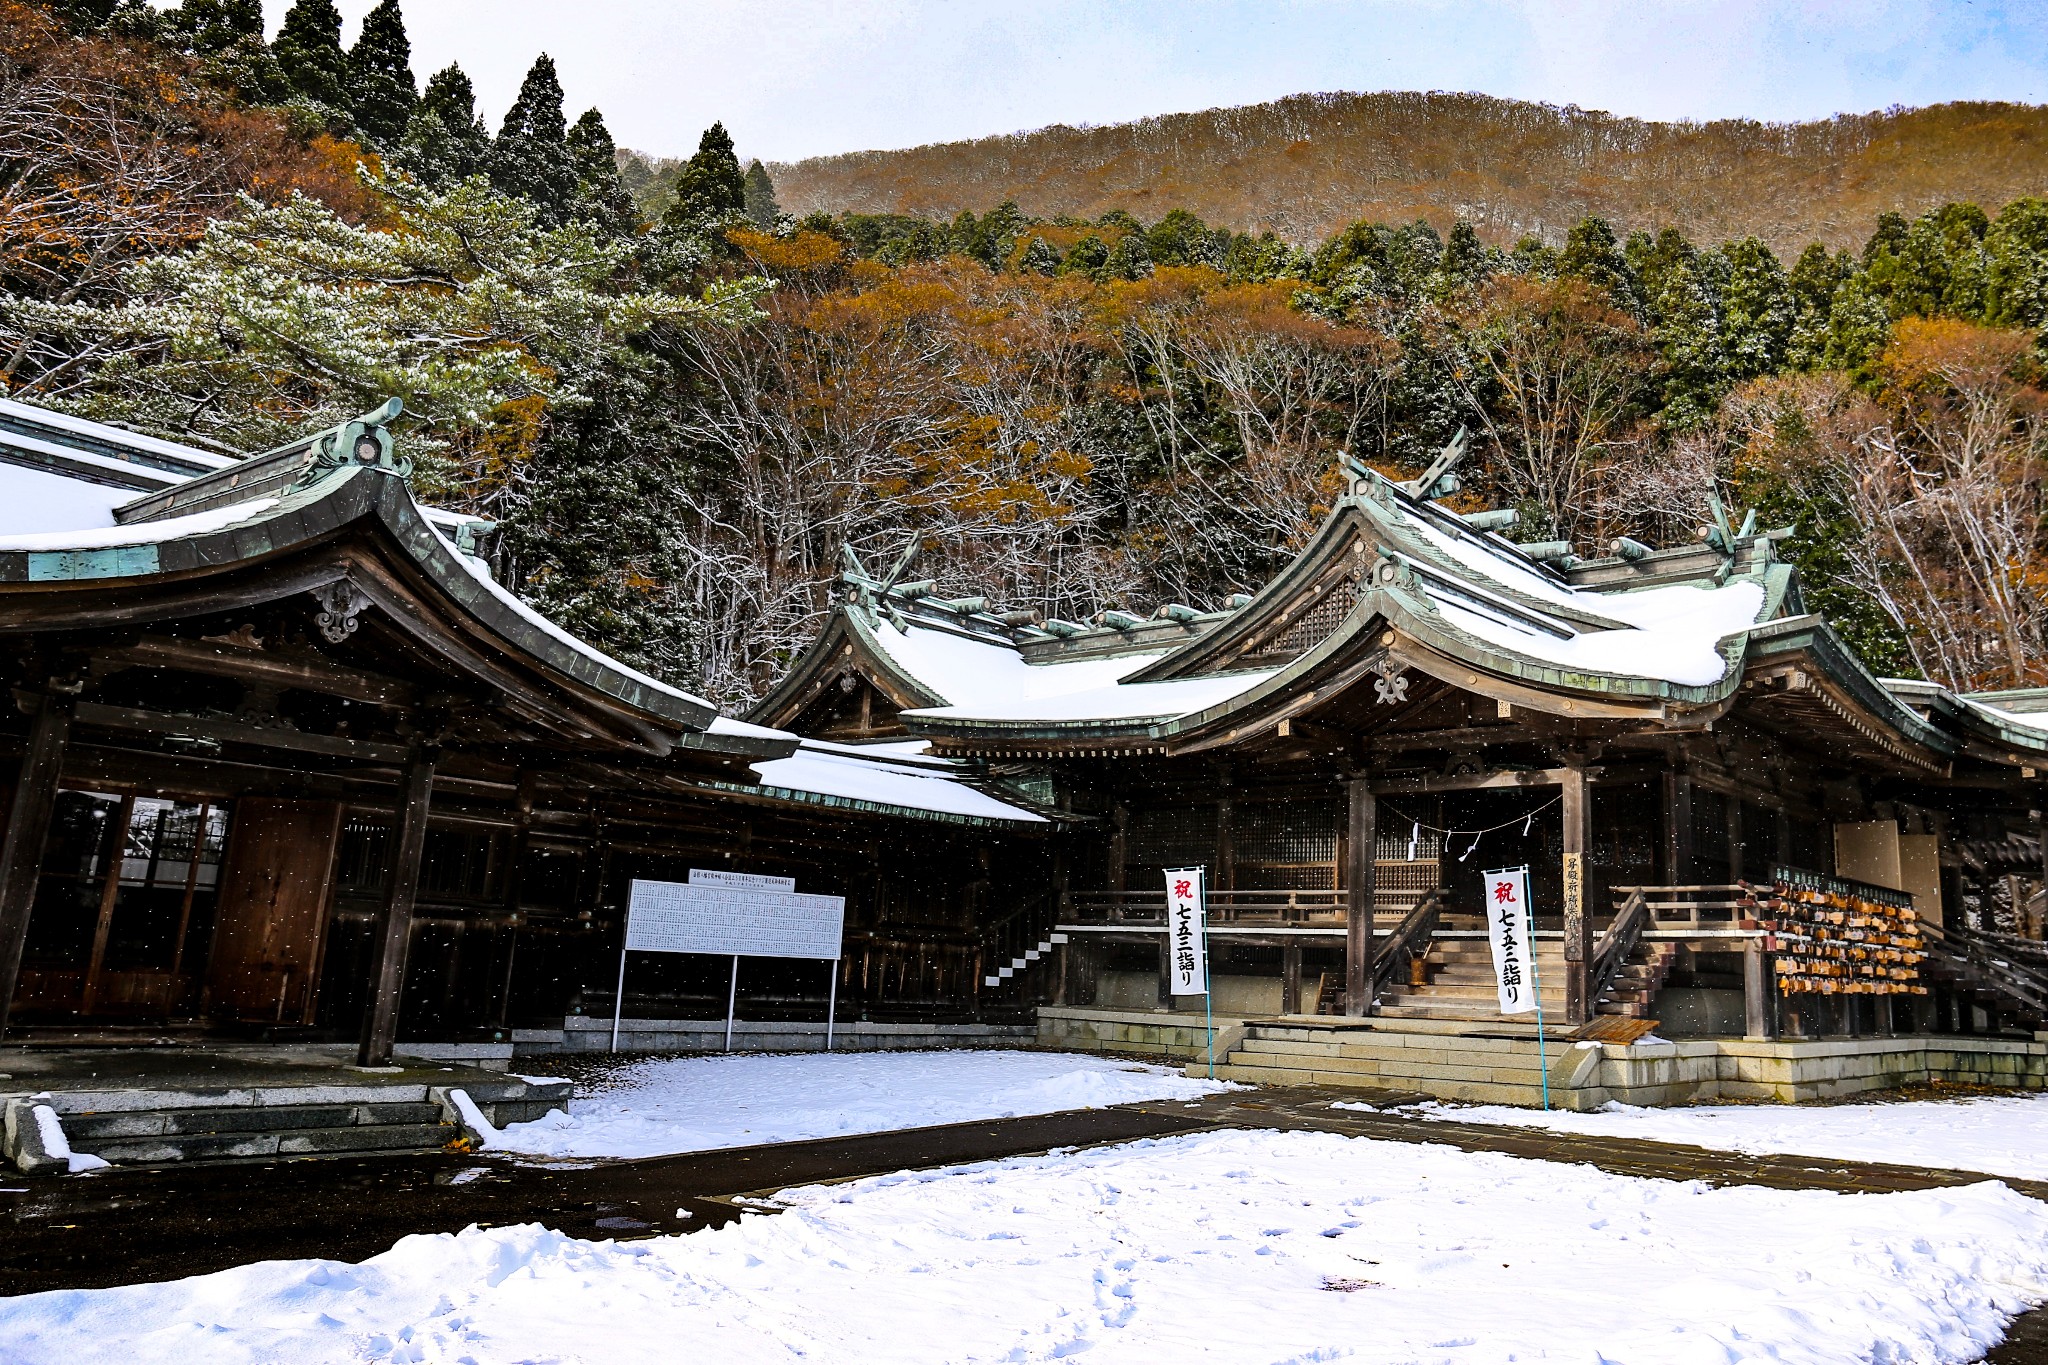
{"x":732,"y":921}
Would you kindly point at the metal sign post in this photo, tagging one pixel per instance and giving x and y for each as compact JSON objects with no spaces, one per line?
{"x":735,"y":915}
{"x":1187,"y":931}
{"x":831,"y":1004}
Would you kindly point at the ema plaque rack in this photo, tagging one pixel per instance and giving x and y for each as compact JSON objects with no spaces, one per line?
{"x":1829,"y":936}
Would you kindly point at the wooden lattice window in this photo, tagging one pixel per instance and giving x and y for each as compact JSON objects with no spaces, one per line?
{"x":1286,"y":846}
{"x":1172,"y":836}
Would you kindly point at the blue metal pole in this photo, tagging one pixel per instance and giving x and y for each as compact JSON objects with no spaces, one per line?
{"x":1542,"y":1055}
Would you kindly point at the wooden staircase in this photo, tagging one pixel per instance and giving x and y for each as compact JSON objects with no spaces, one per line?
{"x":1637,"y":982}
{"x":1459,"y":973}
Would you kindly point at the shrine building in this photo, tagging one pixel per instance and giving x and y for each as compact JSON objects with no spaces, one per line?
{"x":1733,"y":830}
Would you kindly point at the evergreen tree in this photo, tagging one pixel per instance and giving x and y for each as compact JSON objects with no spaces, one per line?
{"x":1181,"y":238}
{"x":226,"y":37}
{"x":1886,"y":238}
{"x":308,"y":51}
{"x":82,"y":16}
{"x":1039,"y":258}
{"x":2016,"y":292}
{"x":995,"y":236}
{"x":1590,"y":253}
{"x":1859,"y":325}
{"x":962,"y":233}
{"x":531,"y":158}
{"x":1534,"y":258}
{"x":711,"y":187}
{"x":760,"y":198}
{"x":603,"y":197}
{"x":381,"y":88}
{"x":1688,"y":333}
{"x":1466,"y":263}
{"x":445,"y":141}
{"x":1085,"y":257}
{"x":1756,"y":310}
{"x":1814,"y":279}
{"x":1128,"y":260}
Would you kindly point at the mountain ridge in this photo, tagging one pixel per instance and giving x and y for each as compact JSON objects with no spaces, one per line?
{"x":1307,"y":164}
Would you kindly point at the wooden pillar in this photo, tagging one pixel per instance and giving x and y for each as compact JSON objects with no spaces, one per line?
{"x":1578,"y":938}
{"x":2040,"y":834}
{"x":28,"y":829}
{"x":1757,"y":1021}
{"x":1738,"y":839}
{"x":1119,"y":845}
{"x":1677,"y":827}
{"x":1290,"y":979}
{"x":387,"y":967}
{"x":1224,"y":876}
{"x":1360,"y":879}
{"x":1166,"y":970}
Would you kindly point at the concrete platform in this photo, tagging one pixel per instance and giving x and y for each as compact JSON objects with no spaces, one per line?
{"x":148,"y":1106}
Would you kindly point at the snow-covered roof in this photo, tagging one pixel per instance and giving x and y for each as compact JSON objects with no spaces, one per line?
{"x":41,"y":500}
{"x":1485,"y":587}
{"x":899,"y":775}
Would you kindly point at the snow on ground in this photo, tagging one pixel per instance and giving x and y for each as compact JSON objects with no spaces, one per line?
{"x":1998,"y":1135}
{"x":691,"y":1104}
{"x":1255,"y":1247}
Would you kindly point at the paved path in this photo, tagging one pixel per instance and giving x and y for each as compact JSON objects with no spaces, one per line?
{"x":122,"y":1227}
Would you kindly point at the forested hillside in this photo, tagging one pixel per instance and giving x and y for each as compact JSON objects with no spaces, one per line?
{"x":1305,"y":166}
{"x":682,"y":404}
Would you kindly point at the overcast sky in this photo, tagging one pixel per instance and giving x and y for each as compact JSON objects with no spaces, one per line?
{"x":795,"y":78}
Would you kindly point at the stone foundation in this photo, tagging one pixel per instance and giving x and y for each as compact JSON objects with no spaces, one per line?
{"x":1500,"y":1063}
{"x":587,"y":1033}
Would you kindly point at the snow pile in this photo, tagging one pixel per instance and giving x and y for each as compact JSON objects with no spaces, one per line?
{"x":1225,"y":1247}
{"x":693,"y":1104}
{"x":1999,"y":1135}
{"x":55,"y":1144}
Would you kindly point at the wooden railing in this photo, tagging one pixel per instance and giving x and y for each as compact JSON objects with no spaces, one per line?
{"x":2014,"y":970}
{"x":1714,"y":907}
{"x":1227,"y":909}
{"x":1617,"y":942}
{"x":1409,"y":941}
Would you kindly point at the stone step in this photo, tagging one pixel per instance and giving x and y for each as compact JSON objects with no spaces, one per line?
{"x":1410,"y":1064}
{"x":1334,"y":1026}
{"x":361,"y":1137}
{"x":1412,"y":1009}
{"x":1396,"y":1045}
{"x":1470,"y":1091}
{"x":97,"y":1126}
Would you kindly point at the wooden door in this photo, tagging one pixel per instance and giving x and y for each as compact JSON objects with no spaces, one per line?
{"x":271,"y":925}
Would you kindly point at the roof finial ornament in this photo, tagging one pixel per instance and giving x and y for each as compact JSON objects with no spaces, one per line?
{"x":872,"y":596}
{"x":1720,"y":538}
{"x":1441,"y":479}
{"x":363,"y":441}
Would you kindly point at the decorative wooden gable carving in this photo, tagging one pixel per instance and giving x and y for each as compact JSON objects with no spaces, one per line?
{"x":1308,"y":617}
